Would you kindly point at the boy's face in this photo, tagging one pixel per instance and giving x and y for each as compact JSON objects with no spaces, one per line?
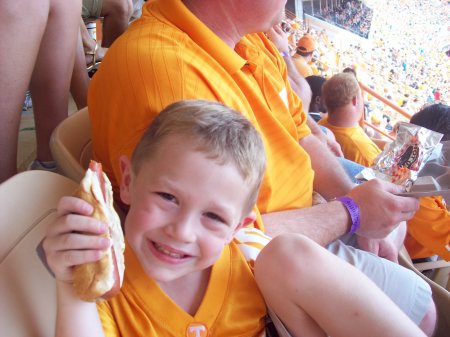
{"x":184,"y":208}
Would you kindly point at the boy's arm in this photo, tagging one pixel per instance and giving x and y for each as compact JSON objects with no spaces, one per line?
{"x":74,"y":317}
{"x":74,"y":238}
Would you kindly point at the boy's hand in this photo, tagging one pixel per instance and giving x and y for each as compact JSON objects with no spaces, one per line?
{"x":74,"y":238}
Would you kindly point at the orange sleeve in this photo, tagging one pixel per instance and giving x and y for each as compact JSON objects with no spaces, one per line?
{"x":295,"y":103}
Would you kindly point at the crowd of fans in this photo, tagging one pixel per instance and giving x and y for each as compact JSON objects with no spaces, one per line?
{"x":352,"y":15}
{"x":403,"y":61}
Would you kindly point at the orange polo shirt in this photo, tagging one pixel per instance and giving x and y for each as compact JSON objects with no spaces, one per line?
{"x":429,"y":230}
{"x":169,"y":55}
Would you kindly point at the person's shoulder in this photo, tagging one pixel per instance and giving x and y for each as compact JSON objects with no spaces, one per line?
{"x":147,"y":43}
{"x":148,"y":32}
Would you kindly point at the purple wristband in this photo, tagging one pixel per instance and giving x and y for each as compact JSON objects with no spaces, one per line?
{"x":353,"y":209}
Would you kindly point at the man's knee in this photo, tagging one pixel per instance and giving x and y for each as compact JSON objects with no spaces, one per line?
{"x":428,"y":323}
{"x":117,"y":8}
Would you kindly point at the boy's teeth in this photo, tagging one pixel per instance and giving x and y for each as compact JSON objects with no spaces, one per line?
{"x":165,"y":251}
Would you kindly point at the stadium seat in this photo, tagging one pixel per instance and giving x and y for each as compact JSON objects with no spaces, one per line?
{"x":441,"y":296}
{"x":440,"y":274}
{"x":70,"y":144}
{"x":27,"y":290}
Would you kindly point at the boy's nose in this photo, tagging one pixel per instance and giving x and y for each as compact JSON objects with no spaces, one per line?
{"x":183,"y":228}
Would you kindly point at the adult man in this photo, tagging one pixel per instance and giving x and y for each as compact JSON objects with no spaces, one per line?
{"x":316,"y":108}
{"x":342,"y":97}
{"x":209,"y":50}
{"x":304,"y":54}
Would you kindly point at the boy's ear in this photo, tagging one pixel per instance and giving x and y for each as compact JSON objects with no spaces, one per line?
{"x":127,"y":179}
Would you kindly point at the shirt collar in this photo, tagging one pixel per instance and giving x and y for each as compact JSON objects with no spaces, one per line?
{"x":177,"y":13}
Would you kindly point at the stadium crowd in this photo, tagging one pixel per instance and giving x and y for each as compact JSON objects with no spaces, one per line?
{"x":352,"y":15}
{"x":404,"y":60}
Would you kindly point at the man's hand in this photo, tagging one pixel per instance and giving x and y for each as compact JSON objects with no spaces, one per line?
{"x":334,"y":147}
{"x":381,"y":210}
{"x":279,"y":38}
{"x":327,"y":139}
{"x":382,"y":247}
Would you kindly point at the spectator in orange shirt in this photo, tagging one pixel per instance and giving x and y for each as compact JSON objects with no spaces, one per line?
{"x":429,"y":229}
{"x":304,"y":55}
{"x":342,"y":97}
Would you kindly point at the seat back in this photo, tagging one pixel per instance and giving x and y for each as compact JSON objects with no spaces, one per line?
{"x":27,"y":290}
{"x":441,"y":296}
{"x":71,"y":146}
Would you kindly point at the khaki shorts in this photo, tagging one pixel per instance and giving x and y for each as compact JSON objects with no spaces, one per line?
{"x":410,"y":292}
{"x":91,"y":9}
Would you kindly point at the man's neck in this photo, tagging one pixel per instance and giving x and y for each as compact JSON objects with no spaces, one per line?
{"x":342,"y":118}
{"x":210,"y":13}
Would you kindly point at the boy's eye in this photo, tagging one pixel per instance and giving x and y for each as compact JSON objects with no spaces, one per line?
{"x":167,"y":196}
{"x":214,"y":217}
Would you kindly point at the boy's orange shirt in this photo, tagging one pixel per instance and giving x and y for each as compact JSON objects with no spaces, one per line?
{"x":231,"y":306}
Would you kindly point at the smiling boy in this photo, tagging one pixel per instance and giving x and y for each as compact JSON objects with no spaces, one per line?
{"x":191,"y":185}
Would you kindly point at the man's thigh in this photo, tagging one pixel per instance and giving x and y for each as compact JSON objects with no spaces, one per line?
{"x":411,"y":293}
{"x":91,"y":9}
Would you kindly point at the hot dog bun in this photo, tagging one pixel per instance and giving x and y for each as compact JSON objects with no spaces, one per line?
{"x":101,"y":279}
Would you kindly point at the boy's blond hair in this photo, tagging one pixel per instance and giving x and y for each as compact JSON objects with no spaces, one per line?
{"x":339,"y":90}
{"x":220,"y":132}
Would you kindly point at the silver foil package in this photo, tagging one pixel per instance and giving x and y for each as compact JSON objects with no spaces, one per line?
{"x":401,"y":161}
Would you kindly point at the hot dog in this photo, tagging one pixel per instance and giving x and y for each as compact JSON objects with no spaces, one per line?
{"x":101,"y":279}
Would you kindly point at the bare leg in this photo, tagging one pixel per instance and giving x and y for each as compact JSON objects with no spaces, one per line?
{"x":80,"y":79}
{"x":116,"y":14}
{"x":52,"y":73}
{"x":314,"y":293}
{"x":19,"y":48}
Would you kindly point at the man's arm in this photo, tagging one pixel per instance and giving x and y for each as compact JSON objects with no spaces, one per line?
{"x":297,"y":82}
{"x":314,"y":222}
{"x":330,"y":179}
{"x":380,"y":212}
{"x":332,"y":144}
{"x":300,"y":86}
